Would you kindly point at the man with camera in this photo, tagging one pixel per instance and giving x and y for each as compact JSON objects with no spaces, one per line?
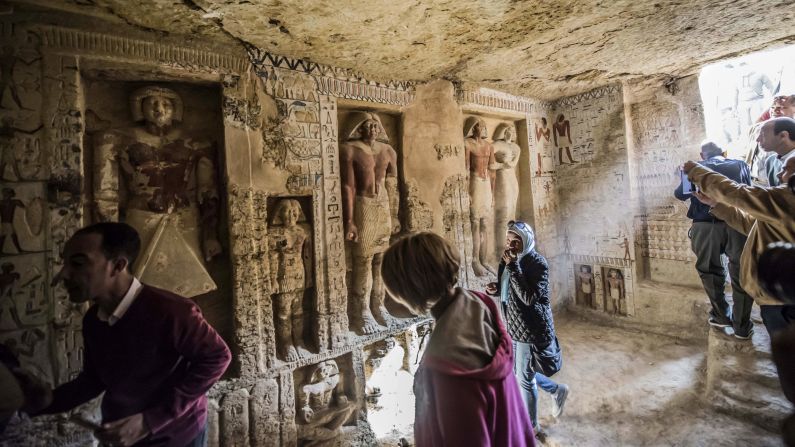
{"x":710,"y":238}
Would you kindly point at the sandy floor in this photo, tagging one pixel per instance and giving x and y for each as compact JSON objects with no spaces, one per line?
{"x":627,"y":389}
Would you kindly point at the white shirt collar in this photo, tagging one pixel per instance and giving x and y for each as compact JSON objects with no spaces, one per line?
{"x":787,"y":156}
{"x":124,"y":304}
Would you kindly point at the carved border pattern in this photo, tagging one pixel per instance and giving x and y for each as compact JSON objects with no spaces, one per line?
{"x":603,"y":260}
{"x":138,"y":49}
{"x":335,"y":81}
{"x":596,"y":93}
{"x":497,"y":100}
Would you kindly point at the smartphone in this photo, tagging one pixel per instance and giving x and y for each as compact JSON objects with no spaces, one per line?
{"x":84,"y":422}
{"x":687,"y":187}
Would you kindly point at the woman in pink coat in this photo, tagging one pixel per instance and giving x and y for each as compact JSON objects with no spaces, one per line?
{"x":466,"y":392}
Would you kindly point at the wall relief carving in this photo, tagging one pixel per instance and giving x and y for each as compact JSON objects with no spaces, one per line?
{"x":322,"y":406}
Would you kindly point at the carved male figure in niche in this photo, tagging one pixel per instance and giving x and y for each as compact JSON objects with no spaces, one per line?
{"x":506,"y":186}
{"x":615,"y":289}
{"x":542,"y":138}
{"x":8,"y":208}
{"x":562,"y":136}
{"x":586,"y":285}
{"x":162,"y":182}
{"x":370,"y":209}
{"x":479,"y":156}
{"x":290,"y":248}
{"x":323,"y":406}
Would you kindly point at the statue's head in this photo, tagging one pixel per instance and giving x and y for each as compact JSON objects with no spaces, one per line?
{"x":543,"y":122}
{"x":288,"y":212}
{"x":324,"y":370}
{"x":474,"y":127}
{"x":158,"y":106}
{"x":614,"y":273}
{"x":561,"y":118}
{"x":365,"y":126}
{"x":585,"y":269}
{"x":505,"y":132}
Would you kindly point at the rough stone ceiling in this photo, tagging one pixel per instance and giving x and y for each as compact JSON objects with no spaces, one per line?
{"x":544,"y":49}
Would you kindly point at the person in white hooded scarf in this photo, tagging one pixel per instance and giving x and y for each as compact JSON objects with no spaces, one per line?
{"x":523,"y":288}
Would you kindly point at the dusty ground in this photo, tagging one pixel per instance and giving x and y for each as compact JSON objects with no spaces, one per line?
{"x":627,"y":389}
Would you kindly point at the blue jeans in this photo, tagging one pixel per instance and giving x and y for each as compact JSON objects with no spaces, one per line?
{"x":529,"y":380}
{"x":201,"y":439}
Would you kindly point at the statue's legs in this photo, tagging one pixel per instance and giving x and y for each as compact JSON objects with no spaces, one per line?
{"x":477,"y":267}
{"x":283,"y":327}
{"x":297,"y":320}
{"x":483,"y":255}
{"x":379,"y":293}
{"x":361,"y":293}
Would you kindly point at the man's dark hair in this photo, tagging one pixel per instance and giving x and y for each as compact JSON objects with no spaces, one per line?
{"x":783,"y":123}
{"x":775,"y":268}
{"x":118,"y":240}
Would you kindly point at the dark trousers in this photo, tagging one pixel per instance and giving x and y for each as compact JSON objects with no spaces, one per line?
{"x":777,"y":318}
{"x":709,"y":240}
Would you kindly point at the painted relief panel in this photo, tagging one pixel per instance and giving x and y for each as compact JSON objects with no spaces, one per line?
{"x":154,"y":162}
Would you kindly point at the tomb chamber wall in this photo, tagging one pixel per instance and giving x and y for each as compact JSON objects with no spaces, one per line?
{"x":269,"y":142}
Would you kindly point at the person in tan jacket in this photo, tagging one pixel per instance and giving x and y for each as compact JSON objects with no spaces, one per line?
{"x":765,"y":215}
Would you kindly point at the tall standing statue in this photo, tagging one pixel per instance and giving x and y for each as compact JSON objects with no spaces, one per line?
{"x":290,"y":255}
{"x":506,"y":186}
{"x":162,"y":182}
{"x":479,"y":155}
{"x":368,"y":167}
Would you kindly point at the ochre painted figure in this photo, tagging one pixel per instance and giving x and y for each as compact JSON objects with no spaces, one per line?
{"x":162,"y":182}
{"x":370,"y":208}
{"x":479,"y":157}
{"x":290,"y":255}
{"x":322,"y":406}
{"x":586,"y":285}
{"x":506,"y":185}
{"x":561,"y":133}
{"x":615,"y":289}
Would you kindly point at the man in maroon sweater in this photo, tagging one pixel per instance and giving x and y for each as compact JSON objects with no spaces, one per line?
{"x":149,"y":350}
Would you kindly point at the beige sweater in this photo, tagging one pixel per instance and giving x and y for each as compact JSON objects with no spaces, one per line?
{"x":764,"y":214}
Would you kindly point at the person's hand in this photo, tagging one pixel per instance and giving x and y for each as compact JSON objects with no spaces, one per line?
{"x":491,"y":288}
{"x":212,"y":248}
{"x":123,"y":432}
{"x":38,"y":394}
{"x":703,"y":198}
{"x":688,"y":166}
{"x":509,"y":256}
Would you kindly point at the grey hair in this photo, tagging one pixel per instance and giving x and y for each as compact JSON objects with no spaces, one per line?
{"x":710,"y":149}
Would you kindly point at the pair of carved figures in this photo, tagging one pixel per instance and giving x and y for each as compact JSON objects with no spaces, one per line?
{"x":322,"y":405}
{"x":614,"y":288}
{"x":161,"y":181}
{"x":493,"y":187}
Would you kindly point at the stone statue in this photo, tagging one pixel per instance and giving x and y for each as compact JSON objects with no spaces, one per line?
{"x":586,"y":285}
{"x":479,"y":155}
{"x":322,"y":406}
{"x":561,"y":133}
{"x":615,"y":289}
{"x":162,"y":182}
{"x":370,"y":208}
{"x":506,"y":186}
{"x":290,"y":258}
{"x":542,"y":139}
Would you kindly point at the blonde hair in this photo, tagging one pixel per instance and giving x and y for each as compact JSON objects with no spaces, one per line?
{"x":420,"y":268}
